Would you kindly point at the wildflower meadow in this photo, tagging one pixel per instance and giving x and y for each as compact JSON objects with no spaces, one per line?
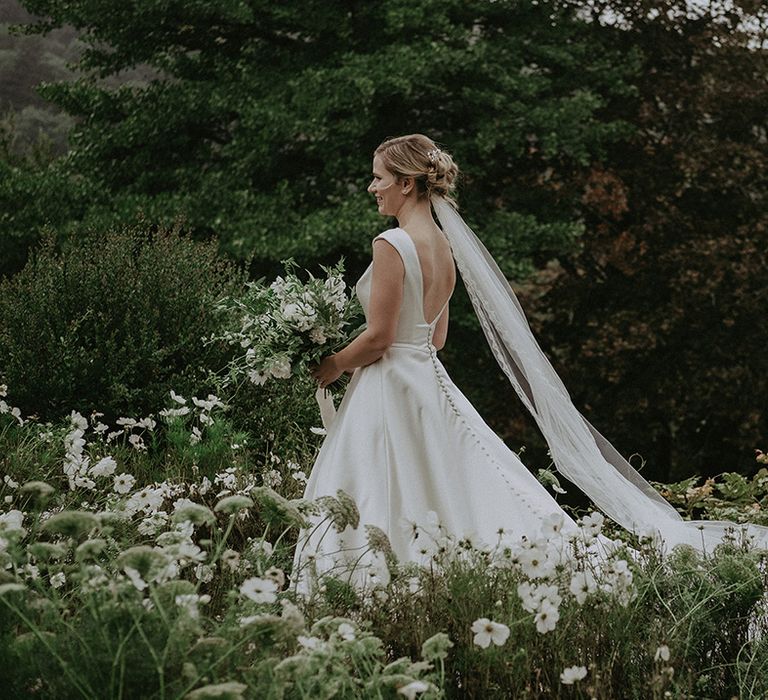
{"x":151,"y":559}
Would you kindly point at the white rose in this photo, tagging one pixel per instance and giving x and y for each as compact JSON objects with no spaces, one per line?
{"x":280,"y":368}
{"x":317,"y":335}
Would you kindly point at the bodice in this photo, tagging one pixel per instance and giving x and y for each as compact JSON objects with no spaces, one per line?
{"x":412,"y":326}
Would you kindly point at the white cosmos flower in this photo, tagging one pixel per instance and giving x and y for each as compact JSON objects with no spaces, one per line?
{"x":572,"y":674}
{"x":152,"y":523}
{"x":74,"y":442}
{"x":487,"y":631}
{"x":525,"y":592}
{"x":582,"y":584}
{"x":177,"y":398}
{"x":261,"y":548}
{"x":257,"y":378}
{"x":547,"y":617}
{"x":188,"y":553}
{"x":552,"y":525}
{"x":12,"y":521}
{"x":78,"y":421}
{"x":123,"y":483}
{"x":85,"y":483}
{"x":204,"y":573}
{"x":259,"y":590}
{"x":346,"y":631}
{"x":662,"y":653}
{"x":172,"y":412}
{"x":137,"y":441}
{"x":532,"y":595}
{"x":58,"y":580}
{"x":231,"y":559}
{"x":148,"y":500}
{"x":208,"y":403}
{"x":536,"y":563}
{"x":104,"y":467}
{"x":189,"y":602}
{"x":592,"y":524}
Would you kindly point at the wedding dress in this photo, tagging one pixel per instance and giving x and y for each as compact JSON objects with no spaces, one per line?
{"x":406,"y":442}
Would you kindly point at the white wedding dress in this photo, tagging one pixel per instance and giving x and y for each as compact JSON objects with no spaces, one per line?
{"x":405,"y":441}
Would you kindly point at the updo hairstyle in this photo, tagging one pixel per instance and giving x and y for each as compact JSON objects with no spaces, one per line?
{"x":417,"y":156}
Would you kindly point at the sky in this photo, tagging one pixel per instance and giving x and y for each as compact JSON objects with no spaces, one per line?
{"x":756,"y":25}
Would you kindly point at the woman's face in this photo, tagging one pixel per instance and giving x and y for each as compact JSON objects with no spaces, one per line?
{"x":386,"y":189}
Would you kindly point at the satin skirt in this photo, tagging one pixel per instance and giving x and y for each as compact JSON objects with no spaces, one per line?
{"x":409,"y":447}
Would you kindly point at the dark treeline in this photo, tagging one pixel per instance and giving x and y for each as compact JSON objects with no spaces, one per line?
{"x":613,"y":156}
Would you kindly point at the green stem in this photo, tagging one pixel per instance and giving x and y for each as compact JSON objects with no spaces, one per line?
{"x":120,"y":657}
{"x":153,"y":654}
{"x":84,"y":691}
{"x":213,"y":665}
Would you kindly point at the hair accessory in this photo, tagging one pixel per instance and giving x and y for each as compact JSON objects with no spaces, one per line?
{"x":433,"y":154}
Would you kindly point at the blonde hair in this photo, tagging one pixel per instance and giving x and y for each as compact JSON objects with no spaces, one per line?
{"x":415,"y":155}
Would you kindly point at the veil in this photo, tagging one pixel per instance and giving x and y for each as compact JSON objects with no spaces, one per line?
{"x":579,"y":451}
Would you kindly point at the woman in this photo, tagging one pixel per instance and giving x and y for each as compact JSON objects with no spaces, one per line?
{"x":406,"y":442}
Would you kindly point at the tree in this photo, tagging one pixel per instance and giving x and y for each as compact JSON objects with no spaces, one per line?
{"x":657,"y":322}
{"x":261,"y":129}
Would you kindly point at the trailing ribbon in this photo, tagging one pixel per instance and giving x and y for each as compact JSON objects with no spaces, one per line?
{"x":324,"y":400}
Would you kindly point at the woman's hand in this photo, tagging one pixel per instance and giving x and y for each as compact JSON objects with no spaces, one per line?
{"x":327,"y":372}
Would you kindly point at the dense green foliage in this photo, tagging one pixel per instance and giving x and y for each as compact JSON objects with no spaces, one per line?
{"x":246,"y":139}
{"x":656,"y":321}
{"x":113,"y":322}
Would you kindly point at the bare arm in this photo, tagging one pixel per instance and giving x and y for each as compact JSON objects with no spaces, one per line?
{"x":383,"y":312}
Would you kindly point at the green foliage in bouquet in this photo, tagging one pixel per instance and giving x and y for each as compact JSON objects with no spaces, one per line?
{"x":112,"y":322}
{"x":288,"y":325}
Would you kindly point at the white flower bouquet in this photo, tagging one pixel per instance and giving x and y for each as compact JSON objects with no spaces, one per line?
{"x":288,"y":325}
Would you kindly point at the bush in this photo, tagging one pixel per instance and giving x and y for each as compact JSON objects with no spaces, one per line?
{"x":113,"y":321}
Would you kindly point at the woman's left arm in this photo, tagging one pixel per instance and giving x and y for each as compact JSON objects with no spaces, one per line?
{"x":383,"y":313}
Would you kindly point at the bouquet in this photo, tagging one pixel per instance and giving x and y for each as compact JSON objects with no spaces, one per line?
{"x":289,"y":325}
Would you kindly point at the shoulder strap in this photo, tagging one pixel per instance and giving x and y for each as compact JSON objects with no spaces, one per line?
{"x":396,"y":238}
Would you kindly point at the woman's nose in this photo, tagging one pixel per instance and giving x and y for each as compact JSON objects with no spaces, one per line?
{"x":371,"y":187}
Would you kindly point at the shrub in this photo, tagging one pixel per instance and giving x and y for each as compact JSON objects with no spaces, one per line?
{"x":112,"y":321}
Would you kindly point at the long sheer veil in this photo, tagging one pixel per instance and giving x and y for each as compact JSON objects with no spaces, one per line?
{"x":579,"y":451}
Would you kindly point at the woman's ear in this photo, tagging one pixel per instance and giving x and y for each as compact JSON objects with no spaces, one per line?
{"x":407,"y":184}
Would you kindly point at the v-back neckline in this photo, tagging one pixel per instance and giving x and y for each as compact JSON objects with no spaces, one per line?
{"x":421,"y":282}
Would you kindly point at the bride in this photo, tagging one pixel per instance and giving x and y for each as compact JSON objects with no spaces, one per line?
{"x":406,"y":442}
